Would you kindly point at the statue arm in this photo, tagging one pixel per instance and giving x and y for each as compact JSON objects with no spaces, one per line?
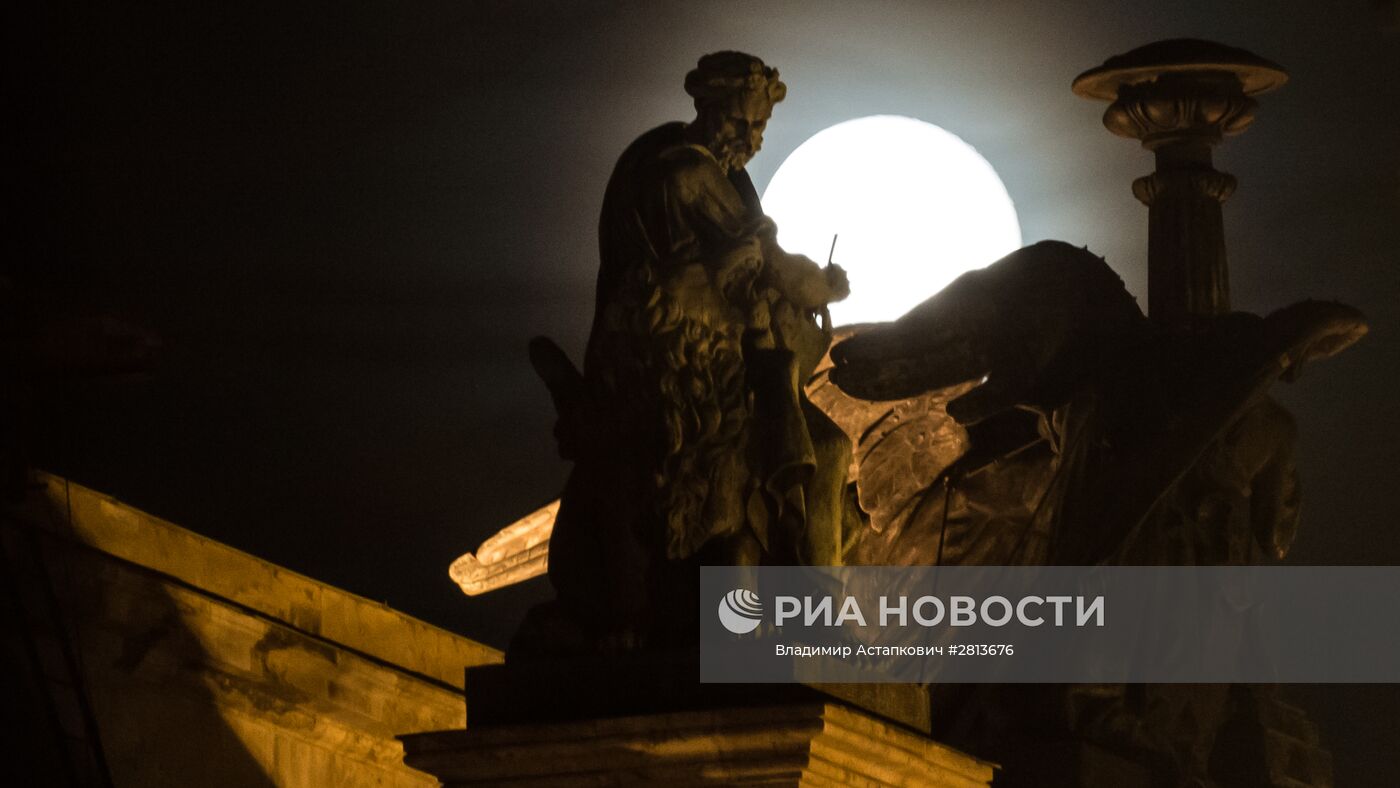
{"x":706,"y":221}
{"x":799,"y":278}
{"x":709,"y":223}
{"x":1274,"y":486}
{"x":710,"y":239}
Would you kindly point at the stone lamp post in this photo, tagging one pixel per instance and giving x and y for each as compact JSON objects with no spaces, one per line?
{"x":1180,"y":98}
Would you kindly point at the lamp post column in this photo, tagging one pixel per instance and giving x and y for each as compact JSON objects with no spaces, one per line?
{"x":1181,"y":98}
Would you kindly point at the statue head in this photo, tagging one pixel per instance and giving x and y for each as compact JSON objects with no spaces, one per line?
{"x":734,"y":95}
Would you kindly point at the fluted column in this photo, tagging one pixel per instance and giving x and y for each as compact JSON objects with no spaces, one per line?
{"x":1181,"y":98}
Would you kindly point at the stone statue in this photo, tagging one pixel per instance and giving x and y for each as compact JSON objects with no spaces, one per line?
{"x":692,"y":436}
{"x":1030,"y":414}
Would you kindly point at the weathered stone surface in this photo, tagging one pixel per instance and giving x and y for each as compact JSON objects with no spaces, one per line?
{"x":641,"y":683}
{"x":318,"y":609}
{"x":205,"y":666}
{"x":813,"y":744}
{"x":517,"y":553}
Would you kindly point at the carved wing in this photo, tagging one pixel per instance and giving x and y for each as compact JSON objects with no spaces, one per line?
{"x":899,"y":447}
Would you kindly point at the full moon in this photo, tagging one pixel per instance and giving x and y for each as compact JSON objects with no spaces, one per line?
{"x":912,"y":206}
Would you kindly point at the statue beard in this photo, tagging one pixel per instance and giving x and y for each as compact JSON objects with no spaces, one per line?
{"x":741,"y":287}
{"x":732,"y":154}
{"x":703,"y":404}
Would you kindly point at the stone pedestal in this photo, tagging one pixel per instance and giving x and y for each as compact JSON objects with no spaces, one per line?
{"x":645,"y":719}
{"x":1072,"y":763}
{"x":806,"y":744}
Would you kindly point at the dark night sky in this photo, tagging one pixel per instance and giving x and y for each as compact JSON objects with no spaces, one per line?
{"x":345,"y":220}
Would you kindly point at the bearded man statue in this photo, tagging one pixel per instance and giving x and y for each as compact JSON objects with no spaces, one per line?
{"x":692,"y":437}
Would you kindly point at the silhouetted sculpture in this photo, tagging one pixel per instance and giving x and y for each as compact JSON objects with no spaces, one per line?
{"x":1097,"y":435}
{"x":1030,"y":414}
{"x":692,"y":438}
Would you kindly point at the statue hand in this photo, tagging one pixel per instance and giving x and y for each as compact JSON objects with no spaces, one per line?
{"x":837,"y":282}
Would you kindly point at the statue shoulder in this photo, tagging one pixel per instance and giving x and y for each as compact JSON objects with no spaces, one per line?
{"x":661,"y":157}
{"x":690,"y":171}
{"x":651,"y":145}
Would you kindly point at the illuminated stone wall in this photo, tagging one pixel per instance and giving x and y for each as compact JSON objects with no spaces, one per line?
{"x":209,"y":667}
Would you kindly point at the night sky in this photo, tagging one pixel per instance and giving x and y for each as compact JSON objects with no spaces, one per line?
{"x":346,"y":220}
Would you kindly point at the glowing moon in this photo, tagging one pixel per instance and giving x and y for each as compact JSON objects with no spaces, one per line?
{"x":914,"y":207}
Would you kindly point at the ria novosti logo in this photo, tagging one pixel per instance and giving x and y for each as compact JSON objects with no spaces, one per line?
{"x":740,"y":611}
